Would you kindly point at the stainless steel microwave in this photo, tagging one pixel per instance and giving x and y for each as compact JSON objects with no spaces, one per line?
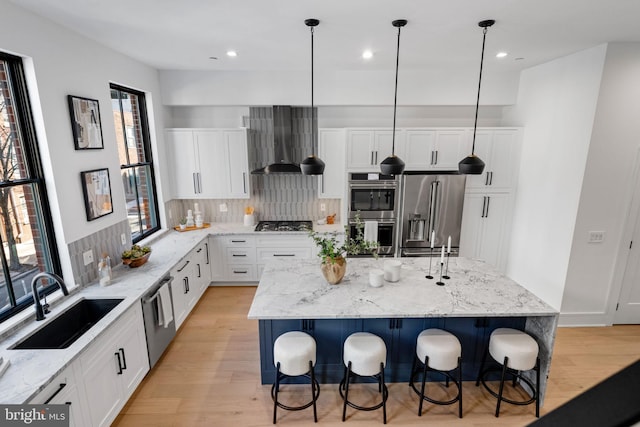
{"x":373,"y":196}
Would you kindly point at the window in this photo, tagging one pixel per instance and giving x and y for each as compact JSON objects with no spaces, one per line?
{"x":134,"y":150}
{"x":26,"y":231}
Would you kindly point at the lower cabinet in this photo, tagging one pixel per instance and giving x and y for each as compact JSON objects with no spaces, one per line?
{"x":113,"y":366}
{"x":64,"y":389}
{"x":191,"y":276}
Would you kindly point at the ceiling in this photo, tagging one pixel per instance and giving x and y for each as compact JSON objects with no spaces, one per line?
{"x":271,"y":34}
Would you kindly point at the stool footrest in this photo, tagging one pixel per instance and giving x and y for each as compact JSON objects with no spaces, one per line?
{"x":385,"y":395}
{"x":437,"y":402}
{"x":316,"y":393}
{"x":513,"y":374}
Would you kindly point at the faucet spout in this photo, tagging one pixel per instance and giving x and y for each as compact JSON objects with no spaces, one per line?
{"x":36,"y":296}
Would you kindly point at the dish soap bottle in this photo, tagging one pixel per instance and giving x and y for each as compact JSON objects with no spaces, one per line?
{"x":104,"y":270}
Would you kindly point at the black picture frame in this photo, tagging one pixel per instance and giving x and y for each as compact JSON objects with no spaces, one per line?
{"x":85,"y":123}
{"x":96,"y":188}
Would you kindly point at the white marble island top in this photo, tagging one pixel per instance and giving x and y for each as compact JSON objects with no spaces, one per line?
{"x":299,"y":291}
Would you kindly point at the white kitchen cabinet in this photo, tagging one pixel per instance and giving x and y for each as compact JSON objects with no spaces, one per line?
{"x":208,"y":163}
{"x":202,"y":259}
{"x":184,"y":288}
{"x":367,"y":148}
{"x":331,"y":149}
{"x":500,"y":150}
{"x":216,"y":258}
{"x":64,"y":389}
{"x":435,"y":149}
{"x":114,"y":366}
{"x":281,"y":246}
{"x":486,"y":227}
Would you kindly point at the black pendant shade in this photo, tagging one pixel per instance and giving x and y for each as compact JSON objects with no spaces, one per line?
{"x":472,"y":164}
{"x":393,"y":165}
{"x":312,"y":165}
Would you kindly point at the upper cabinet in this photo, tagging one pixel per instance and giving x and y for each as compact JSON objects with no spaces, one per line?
{"x":499,"y":149}
{"x":367,"y":148}
{"x":209,"y":163}
{"x":331,"y":149}
{"x":435,"y":149}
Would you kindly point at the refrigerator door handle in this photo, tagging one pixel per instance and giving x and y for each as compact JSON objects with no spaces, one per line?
{"x":433,"y":206}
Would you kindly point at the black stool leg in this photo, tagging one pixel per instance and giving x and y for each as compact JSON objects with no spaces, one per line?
{"x":413,"y":369}
{"x":313,"y":391}
{"x":424,"y":381}
{"x":537,"y":390}
{"x":384,"y":397}
{"x":484,"y":359}
{"x":276,"y":386}
{"x":346,"y":390}
{"x":460,"y":387}
{"x":504,"y":372}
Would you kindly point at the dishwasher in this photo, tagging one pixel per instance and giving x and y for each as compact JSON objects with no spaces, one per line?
{"x":158,"y":334}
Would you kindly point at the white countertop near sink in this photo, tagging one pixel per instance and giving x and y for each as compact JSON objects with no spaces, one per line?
{"x":31,"y":370}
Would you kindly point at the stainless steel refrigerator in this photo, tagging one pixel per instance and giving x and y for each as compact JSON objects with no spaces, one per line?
{"x":430,"y":202}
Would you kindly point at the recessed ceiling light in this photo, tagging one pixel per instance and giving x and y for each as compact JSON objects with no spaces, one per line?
{"x":232,"y":53}
{"x":501,"y":54}
{"x":367,"y":54}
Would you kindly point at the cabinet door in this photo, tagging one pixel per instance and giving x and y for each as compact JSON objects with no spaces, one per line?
{"x":483,"y":150}
{"x":451,"y":146}
{"x":472,"y":224}
{"x":419,"y":149}
{"x":202,"y":270}
{"x":182,"y":162}
{"x":496,"y":228}
{"x":62,"y":390}
{"x":132,"y":344}
{"x":503,"y":160}
{"x":383,"y":145}
{"x":216,"y":258}
{"x":331,"y":149}
{"x":360,"y":147}
{"x":213,"y":179}
{"x":179,"y":292}
{"x":237,"y":165}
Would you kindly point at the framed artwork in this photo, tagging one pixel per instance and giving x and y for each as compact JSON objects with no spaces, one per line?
{"x":97,"y":193}
{"x":85,"y":123}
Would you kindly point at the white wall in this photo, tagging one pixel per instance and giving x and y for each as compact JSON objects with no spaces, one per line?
{"x":337,"y":88}
{"x":592,"y":289}
{"x":556,"y":105}
{"x":59,"y":63}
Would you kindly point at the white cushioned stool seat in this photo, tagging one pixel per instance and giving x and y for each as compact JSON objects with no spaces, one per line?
{"x":365,"y":351}
{"x":294,"y":350}
{"x":442,"y":347}
{"x":518,"y":346}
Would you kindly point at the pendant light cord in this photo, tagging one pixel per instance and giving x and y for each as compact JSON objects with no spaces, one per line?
{"x":475,"y":123}
{"x":313,"y":126}
{"x":395,"y":97}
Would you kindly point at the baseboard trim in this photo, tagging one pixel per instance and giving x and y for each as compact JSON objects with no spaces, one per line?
{"x":214,"y":284}
{"x":583,"y":319}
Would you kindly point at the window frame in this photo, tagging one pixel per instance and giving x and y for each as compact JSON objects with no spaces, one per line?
{"x":36,"y":178}
{"x":148,"y":152}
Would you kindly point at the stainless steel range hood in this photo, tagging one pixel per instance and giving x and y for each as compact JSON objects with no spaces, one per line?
{"x":282,"y":146}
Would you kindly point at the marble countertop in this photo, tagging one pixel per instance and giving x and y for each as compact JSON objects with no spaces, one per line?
{"x":31,"y":370}
{"x":299,"y":291}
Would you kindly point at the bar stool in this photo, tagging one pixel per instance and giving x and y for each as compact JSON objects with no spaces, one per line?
{"x":365,"y":355}
{"x":515,"y":351}
{"x":294,"y":354}
{"x":438,"y":351}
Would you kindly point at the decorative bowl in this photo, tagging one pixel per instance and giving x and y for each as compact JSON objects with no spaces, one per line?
{"x":136,"y":262}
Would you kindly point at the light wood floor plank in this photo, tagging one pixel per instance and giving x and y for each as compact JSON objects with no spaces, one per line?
{"x":210,"y":376}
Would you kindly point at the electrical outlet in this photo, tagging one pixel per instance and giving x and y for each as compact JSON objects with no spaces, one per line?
{"x":123,"y":239}
{"x":87,"y":256}
{"x":223,"y":207}
{"x":323,"y":207}
{"x":170,"y":214}
{"x":596,"y":236}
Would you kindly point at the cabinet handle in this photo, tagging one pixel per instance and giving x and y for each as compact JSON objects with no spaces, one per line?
{"x":307,"y":325}
{"x":371,"y":163}
{"x":486,"y":179}
{"x":240,"y":271}
{"x":183,"y":267}
{"x":484,"y":203}
{"x":185,"y":286}
{"x":186,"y":279}
{"x":119,"y":363}
{"x":436,"y":157}
{"x":284,"y":254}
{"x":486,"y":215}
{"x":206,"y":247}
{"x":238,"y":241}
{"x":199,"y":275}
{"x":60,"y":387}
{"x":244,"y":182}
{"x":322,"y":183}
{"x":376,"y":162}
{"x":491,"y":178}
{"x":124,"y":360}
{"x":195,"y":183}
{"x":239,"y":255}
{"x":199,"y":250}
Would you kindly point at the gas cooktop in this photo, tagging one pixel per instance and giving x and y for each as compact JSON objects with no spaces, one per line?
{"x":284,"y":226}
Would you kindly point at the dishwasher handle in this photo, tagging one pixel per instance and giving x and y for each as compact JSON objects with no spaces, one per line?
{"x":154,"y":294}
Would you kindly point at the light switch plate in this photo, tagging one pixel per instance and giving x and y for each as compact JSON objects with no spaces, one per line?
{"x":87,"y":256}
{"x":596,"y":236}
{"x":223,"y":207}
{"x":123,"y":239}
{"x":323,"y":207}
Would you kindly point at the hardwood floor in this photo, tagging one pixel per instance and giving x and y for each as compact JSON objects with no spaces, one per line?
{"x":209,"y":376}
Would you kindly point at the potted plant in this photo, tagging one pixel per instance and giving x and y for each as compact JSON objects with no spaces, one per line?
{"x":136,"y":256}
{"x":332,"y":252}
{"x":183,"y":223}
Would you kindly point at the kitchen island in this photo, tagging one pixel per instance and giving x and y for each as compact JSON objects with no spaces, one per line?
{"x":476,"y":300}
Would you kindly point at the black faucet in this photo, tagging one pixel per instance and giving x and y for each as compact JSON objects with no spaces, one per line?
{"x":36,"y":298}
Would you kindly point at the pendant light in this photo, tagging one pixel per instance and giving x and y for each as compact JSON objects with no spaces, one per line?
{"x":393,"y":165}
{"x":472,"y":164}
{"x":312,"y":165}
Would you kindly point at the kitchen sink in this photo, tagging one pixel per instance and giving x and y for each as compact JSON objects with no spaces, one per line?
{"x":65,"y":329}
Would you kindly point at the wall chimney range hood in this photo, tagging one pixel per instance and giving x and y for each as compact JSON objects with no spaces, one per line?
{"x":283,"y":160}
